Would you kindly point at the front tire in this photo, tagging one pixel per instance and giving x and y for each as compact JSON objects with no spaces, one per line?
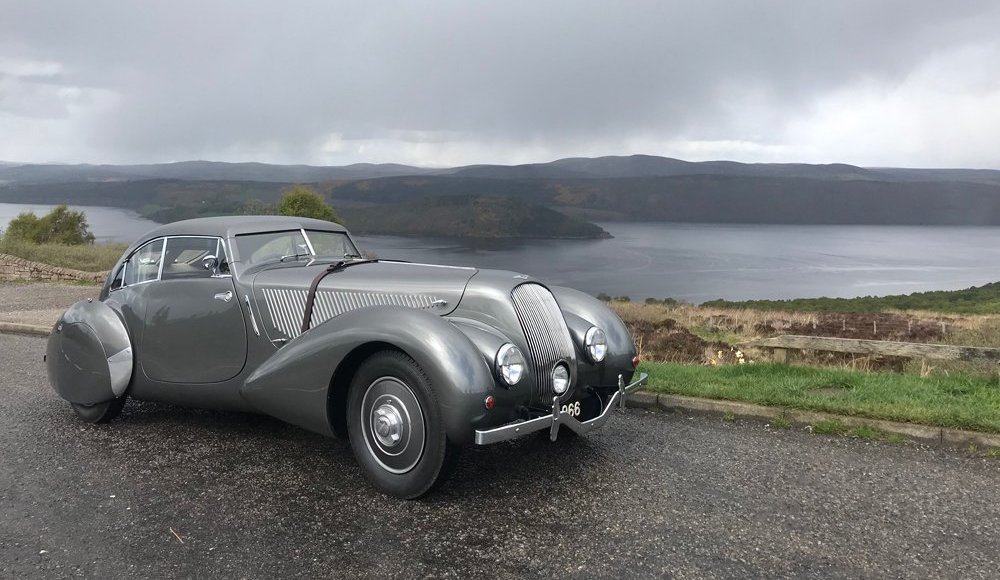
{"x":100,"y":412}
{"x":395,"y":427}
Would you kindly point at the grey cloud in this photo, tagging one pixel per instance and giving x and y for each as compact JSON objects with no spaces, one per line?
{"x":191,"y":79}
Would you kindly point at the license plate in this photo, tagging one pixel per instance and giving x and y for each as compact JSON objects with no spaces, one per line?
{"x":572,"y":409}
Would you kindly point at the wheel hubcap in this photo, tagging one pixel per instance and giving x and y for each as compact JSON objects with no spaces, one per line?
{"x":388,"y":425}
{"x":393,"y":424}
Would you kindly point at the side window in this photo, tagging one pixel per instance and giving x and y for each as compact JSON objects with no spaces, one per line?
{"x":119,"y":278}
{"x":183,"y":258}
{"x":144,"y":265}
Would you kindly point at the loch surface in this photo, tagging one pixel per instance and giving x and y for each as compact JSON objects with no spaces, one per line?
{"x":693,"y":262}
{"x":698,"y":262}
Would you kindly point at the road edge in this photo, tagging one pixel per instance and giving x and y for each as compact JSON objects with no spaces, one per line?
{"x":694,"y":405}
{"x":925,"y":434}
{"x":19,"y":328}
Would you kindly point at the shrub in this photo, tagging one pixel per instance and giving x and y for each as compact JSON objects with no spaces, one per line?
{"x":257,"y":207}
{"x":60,"y":226}
{"x":304,"y":201}
{"x":663,"y":302}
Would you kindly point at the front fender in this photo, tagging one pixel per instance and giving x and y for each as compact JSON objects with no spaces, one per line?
{"x":293,"y":385}
{"x":581,"y":311}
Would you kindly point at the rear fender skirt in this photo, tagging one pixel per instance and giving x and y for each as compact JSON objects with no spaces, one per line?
{"x":293,"y":384}
{"x":89,"y":354}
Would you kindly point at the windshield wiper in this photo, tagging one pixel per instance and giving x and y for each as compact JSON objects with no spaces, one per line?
{"x":303,"y":251}
{"x":294,"y":257}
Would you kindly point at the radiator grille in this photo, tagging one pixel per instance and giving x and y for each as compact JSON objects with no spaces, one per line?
{"x":546,"y":332}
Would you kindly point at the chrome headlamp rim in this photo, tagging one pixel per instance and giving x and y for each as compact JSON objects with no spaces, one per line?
{"x":510,"y":364}
{"x":596,"y":344}
{"x":561,"y":378}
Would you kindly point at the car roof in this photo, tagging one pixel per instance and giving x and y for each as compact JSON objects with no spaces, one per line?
{"x":228,"y":226}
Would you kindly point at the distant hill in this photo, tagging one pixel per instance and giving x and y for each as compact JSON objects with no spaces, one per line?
{"x":568,"y":192}
{"x":713,"y":198}
{"x":469,"y":217}
{"x":201,"y":171}
{"x":569,"y":168}
{"x":652,"y":166}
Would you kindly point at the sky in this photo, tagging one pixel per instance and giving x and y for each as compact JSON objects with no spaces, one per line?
{"x":909,"y":83}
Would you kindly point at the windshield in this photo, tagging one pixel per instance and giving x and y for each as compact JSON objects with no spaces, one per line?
{"x":332,"y":244}
{"x":293,"y":245}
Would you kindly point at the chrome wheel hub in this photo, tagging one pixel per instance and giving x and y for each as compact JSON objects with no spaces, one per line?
{"x":393,"y":424}
{"x":387,"y":424}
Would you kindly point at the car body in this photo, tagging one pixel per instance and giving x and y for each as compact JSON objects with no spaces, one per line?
{"x":283,"y":316}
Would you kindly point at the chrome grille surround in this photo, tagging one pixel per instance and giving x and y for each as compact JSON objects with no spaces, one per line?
{"x":547,"y":334}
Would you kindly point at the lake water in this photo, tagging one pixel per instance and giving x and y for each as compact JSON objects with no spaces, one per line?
{"x":695,"y":262}
{"x":698,"y":262}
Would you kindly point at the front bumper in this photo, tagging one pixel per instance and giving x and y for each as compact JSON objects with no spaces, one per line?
{"x":557,"y":418}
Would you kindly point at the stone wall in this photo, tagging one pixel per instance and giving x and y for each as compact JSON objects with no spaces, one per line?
{"x":14,"y":268}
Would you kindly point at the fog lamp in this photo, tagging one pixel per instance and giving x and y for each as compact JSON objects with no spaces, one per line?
{"x":560,"y":379}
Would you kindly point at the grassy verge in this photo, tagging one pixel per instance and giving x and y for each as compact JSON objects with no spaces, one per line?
{"x":961,"y":402}
{"x":89,"y":258}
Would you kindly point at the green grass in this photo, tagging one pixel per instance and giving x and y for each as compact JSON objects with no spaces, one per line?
{"x":781,"y":422}
{"x":976,"y":300}
{"x":89,"y":258}
{"x":830,"y":427}
{"x":961,"y":402}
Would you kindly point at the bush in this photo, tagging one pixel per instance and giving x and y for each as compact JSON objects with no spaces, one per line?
{"x":663,"y":302}
{"x":257,"y":207}
{"x":302,"y":201}
{"x":60,"y":226}
{"x":976,"y":300}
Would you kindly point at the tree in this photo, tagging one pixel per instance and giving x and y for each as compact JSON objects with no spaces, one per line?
{"x":257,"y":207}
{"x":60,"y":226}
{"x":24,"y":227}
{"x":305,"y":201}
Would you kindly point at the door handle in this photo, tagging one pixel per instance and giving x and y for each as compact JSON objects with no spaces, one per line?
{"x":224,"y":296}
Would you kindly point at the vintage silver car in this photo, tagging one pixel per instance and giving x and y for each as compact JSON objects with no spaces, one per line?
{"x":283,"y":316}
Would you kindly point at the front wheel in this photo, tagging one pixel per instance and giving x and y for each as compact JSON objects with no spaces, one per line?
{"x":395,"y":426}
{"x":100,"y":412}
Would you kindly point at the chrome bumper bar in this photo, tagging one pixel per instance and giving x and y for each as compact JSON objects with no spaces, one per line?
{"x":557,"y":418}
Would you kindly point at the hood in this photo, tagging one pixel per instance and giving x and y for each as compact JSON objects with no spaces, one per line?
{"x":281,"y":292}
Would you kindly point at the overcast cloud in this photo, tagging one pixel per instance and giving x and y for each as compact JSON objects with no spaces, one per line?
{"x":903,"y":83}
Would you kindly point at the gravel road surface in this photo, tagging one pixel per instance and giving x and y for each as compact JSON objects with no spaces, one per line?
{"x":40,"y":303}
{"x":176,"y":493}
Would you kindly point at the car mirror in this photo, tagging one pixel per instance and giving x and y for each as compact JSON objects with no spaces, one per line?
{"x":210,"y":263}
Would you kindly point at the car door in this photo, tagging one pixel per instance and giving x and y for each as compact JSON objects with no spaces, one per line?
{"x":193,"y":329}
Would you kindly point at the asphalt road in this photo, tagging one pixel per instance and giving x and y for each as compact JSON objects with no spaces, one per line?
{"x":650,"y":495}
